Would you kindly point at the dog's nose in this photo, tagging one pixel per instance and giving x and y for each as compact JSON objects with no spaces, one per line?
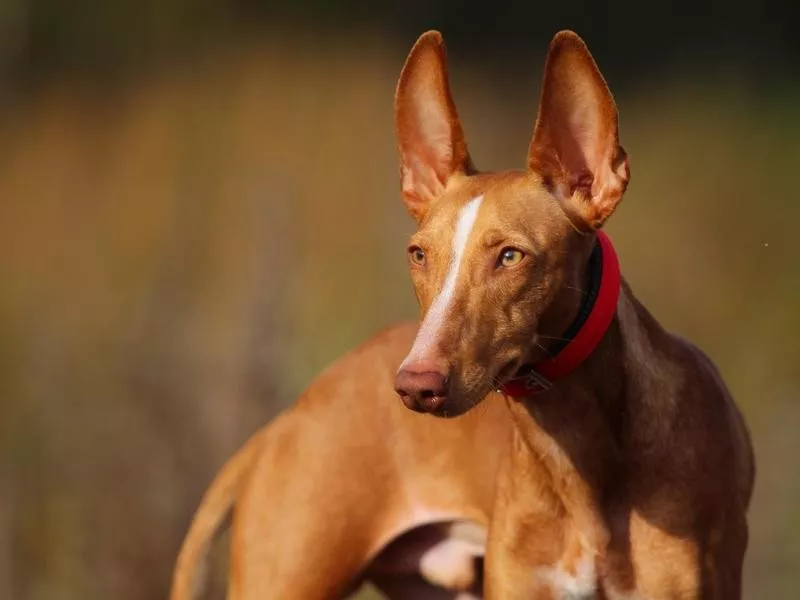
{"x":421,"y":388}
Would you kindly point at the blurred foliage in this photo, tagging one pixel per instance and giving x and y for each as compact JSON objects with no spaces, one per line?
{"x":185,"y":244}
{"x":38,"y":37}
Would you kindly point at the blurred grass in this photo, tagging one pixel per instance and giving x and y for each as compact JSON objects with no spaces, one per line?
{"x":181,"y":252}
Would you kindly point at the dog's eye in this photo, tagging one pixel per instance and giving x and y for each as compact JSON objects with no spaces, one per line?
{"x":510,"y":257}
{"x":417,"y":255}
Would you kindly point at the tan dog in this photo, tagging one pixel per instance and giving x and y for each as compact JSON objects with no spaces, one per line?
{"x":631,"y":468}
{"x":348,"y":485}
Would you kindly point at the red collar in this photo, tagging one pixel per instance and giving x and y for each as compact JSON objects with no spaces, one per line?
{"x":539,"y":378}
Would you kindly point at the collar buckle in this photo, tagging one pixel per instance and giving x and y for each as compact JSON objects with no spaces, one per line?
{"x":536,"y":382}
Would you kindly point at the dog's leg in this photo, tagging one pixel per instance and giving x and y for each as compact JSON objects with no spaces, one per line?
{"x":711,"y":570}
{"x":730,"y":557}
{"x":298,"y":532}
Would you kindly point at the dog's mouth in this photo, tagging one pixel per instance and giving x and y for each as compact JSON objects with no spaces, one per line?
{"x":460,"y":400}
{"x":434,"y":404}
{"x":455,"y":403}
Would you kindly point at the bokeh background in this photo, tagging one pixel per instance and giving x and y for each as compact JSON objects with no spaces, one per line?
{"x":199,"y":210}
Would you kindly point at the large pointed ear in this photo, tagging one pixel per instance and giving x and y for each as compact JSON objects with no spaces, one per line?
{"x":575,"y":144}
{"x":429,"y":135}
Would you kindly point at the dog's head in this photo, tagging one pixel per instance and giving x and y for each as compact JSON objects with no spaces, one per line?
{"x":499,"y":257}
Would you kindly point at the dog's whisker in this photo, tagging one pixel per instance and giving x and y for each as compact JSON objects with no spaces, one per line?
{"x":553,"y":337}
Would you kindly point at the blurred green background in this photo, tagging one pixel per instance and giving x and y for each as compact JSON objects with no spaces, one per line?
{"x":199,"y":209}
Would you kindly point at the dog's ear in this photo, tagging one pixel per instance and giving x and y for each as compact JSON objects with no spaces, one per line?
{"x":575,"y":144}
{"x":429,"y":134}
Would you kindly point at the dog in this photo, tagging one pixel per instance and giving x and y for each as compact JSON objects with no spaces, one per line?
{"x":630,"y":469}
{"x":348,"y":486}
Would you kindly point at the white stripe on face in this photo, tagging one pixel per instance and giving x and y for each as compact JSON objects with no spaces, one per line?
{"x":429,"y":330}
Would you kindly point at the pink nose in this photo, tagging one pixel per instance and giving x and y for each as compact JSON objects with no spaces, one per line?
{"x":421,"y":387}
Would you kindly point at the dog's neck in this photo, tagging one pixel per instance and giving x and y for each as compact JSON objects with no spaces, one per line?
{"x":563,"y":313}
{"x":588,"y":433}
{"x":599,"y":380}
{"x":576,"y":430}
{"x":573,"y":325}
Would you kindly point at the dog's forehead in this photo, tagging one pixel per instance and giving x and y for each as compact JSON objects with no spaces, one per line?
{"x":511,"y":196}
{"x":508,"y":200}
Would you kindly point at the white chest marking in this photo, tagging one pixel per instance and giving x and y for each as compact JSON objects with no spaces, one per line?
{"x":580,"y":586}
